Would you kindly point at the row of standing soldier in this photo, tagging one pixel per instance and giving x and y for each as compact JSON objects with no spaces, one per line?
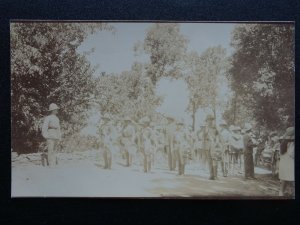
{"x":174,"y":139}
{"x":218,"y":146}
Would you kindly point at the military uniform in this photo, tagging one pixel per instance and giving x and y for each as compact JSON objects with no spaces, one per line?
{"x":211,"y":144}
{"x":129,"y":147}
{"x":170,"y":129}
{"x":52,"y":133}
{"x":236,"y":147}
{"x":106,"y":144}
{"x":248,"y":156}
{"x":180,"y":148}
{"x":225,"y":140}
{"x":148,"y":140}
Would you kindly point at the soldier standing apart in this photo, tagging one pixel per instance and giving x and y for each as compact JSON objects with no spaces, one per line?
{"x":248,"y":152}
{"x":51,"y":132}
{"x":209,"y":144}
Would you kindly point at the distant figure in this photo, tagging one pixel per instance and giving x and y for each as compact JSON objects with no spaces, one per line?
{"x":170,"y":130}
{"x":106,"y":142}
{"x":248,"y":152}
{"x":51,"y":132}
{"x":225,"y":142}
{"x":210,"y":143}
{"x":286,"y":163}
{"x":236,"y":147}
{"x":146,"y":146}
{"x":180,"y":148}
{"x":259,"y":150}
{"x":129,"y":147}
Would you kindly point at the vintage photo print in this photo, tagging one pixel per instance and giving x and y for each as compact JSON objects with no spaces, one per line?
{"x":152,"y":109}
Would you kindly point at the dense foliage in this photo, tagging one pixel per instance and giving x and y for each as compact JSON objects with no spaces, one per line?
{"x":46,"y":68}
{"x":262,"y":75}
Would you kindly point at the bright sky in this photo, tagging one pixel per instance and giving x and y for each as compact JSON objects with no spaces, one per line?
{"x":114,"y":54}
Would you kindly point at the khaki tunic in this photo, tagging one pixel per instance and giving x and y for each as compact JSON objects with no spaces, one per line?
{"x":51,"y":131}
{"x":51,"y":127}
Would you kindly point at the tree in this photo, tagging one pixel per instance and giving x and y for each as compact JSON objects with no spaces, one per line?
{"x":46,"y":68}
{"x":262,"y":72}
{"x":166,"y":48}
{"x":204,"y":78}
{"x":129,"y":94}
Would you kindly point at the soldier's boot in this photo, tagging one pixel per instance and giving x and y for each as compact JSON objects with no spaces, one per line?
{"x":170,"y":161}
{"x":47,"y":160}
{"x":127,"y":158}
{"x":223,"y":169}
{"x":174,"y":163}
{"x":149,"y":165}
{"x":105,"y":160}
{"x":211,"y":171}
{"x":43,"y":159}
{"x":145,"y":164}
{"x":130,"y":159}
{"x":183,"y":169}
{"x":109,"y":160}
{"x":215,"y":168}
{"x":180,"y":168}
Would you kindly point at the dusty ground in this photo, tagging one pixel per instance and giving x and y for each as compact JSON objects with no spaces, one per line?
{"x":82,"y":175}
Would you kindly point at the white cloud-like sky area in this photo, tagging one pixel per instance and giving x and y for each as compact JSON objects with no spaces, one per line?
{"x":114,"y":53}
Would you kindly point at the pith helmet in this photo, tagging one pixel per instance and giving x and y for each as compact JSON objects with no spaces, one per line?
{"x":53,"y":107}
{"x":170,"y":119}
{"x":223,"y":123}
{"x":289,"y":134}
{"x":209,"y":117}
{"x":247,"y":127}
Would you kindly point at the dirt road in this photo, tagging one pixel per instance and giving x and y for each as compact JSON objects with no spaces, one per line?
{"x":78,"y":176}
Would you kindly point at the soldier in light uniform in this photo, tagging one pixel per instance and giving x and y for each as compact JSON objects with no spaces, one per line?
{"x":170,"y":131}
{"x":52,"y":133}
{"x":180,"y":146}
{"x":188,"y":144}
{"x":129,"y":146}
{"x":236,"y":146}
{"x":225,"y":141}
{"x":199,"y":145}
{"x":106,"y":142}
{"x":194,"y":144}
{"x":158,"y":142}
{"x":144,"y":142}
{"x":211,"y":145}
{"x":149,"y":141}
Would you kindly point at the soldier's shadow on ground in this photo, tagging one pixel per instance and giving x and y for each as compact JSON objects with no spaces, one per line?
{"x":223,"y":187}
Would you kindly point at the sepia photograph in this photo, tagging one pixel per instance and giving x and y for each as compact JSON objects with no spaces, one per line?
{"x":137,"y":109}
